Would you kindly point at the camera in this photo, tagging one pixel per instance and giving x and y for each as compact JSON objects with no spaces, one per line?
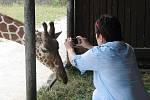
{"x":76,"y":41}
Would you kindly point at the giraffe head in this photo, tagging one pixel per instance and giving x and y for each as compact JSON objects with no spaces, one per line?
{"x":47,"y":51}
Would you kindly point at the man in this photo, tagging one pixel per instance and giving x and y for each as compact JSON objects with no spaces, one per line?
{"x":116,"y":75}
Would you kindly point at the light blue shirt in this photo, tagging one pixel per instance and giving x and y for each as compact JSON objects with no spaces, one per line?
{"x":116,"y":75}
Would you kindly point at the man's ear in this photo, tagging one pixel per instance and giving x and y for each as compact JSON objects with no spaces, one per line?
{"x":57,"y":34}
{"x":97,"y":35}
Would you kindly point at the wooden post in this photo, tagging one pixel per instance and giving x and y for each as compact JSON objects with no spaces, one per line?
{"x":29,"y":19}
{"x":70,"y":23}
{"x":70,"y":18}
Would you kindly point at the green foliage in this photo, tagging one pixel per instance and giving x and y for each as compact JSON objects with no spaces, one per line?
{"x":50,"y":13}
{"x":146,"y":79}
{"x":79,"y":87}
{"x":43,"y":12}
{"x":15,"y":11}
{"x":38,"y":2}
{"x":55,"y":2}
{"x":59,"y":2}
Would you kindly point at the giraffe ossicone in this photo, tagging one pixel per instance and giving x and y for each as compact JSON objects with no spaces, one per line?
{"x":46,"y":45}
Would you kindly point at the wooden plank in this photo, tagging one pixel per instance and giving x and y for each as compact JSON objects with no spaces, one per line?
{"x":96,"y":9}
{"x":86,"y":17}
{"x":103,"y":6}
{"x":133,"y":23}
{"x":127,"y":23}
{"x":143,"y":53}
{"x":99,"y":7}
{"x":91,"y":6}
{"x":30,"y":54}
{"x":115,"y":7}
{"x":96,"y":16}
{"x":70,"y":24}
{"x":70,"y":18}
{"x":147,"y":24}
{"x":121,"y":14}
{"x":109,"y":7}
{"x":140,"y":8}
{"x":144,"y":70}
{"x":78,"y":17}
{"x":78,"y":21}
{"x":143,"y":56}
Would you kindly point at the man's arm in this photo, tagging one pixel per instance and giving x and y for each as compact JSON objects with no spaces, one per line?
{"x":84,"y":61}
{"x":69,"y":45}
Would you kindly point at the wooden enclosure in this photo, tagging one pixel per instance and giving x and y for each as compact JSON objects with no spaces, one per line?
{"x":134,"y":16}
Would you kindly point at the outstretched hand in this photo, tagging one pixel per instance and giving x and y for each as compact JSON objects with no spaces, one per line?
{"x":69,"y":47}
{"x":68,"y":43}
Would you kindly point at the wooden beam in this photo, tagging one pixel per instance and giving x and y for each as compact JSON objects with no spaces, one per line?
{"x":29,"y":18}
{"x":70,"y":18}
{"x":142,"y":53}
{"x":143,"y":56}
{"x":70,"y":24}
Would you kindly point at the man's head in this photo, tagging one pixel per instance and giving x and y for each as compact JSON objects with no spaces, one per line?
{"x":108,"y":28}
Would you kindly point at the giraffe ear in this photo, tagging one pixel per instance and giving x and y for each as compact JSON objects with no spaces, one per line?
{"x":45,"y":27}
{"x":57,"y":34}
{"x":52,"y":30}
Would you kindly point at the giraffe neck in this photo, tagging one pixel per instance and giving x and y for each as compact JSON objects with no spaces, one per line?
{"x":11,"y":29}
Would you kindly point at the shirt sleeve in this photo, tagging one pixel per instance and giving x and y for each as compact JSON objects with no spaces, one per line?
{"x":86,"y":61}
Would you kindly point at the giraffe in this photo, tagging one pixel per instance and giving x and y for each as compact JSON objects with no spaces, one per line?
{"x":11,"y":29}
{"x":46,"y":45}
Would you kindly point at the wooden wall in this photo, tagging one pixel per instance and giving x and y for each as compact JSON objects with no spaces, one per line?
{"x":134,"y":16}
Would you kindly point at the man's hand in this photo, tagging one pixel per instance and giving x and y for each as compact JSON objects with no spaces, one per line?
{"x":69,"y":47}
{"x":68,"y":44}
{"x":83,"y":42}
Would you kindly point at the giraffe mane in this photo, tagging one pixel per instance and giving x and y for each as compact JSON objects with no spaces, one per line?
{"x":13,"y":19}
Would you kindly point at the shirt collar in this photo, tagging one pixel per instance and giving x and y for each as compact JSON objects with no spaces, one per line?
{"x":114,"y":44}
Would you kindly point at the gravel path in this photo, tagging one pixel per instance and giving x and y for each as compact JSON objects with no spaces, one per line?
{"x":12,"y":66}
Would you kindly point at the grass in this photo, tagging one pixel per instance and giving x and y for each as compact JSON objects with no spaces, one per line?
{"x":43,"y":13}
{"x":78,"y":88}
{"x":146,"y":79}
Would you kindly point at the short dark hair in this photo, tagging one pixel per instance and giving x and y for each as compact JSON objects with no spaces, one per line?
{"x":109,"y":27}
